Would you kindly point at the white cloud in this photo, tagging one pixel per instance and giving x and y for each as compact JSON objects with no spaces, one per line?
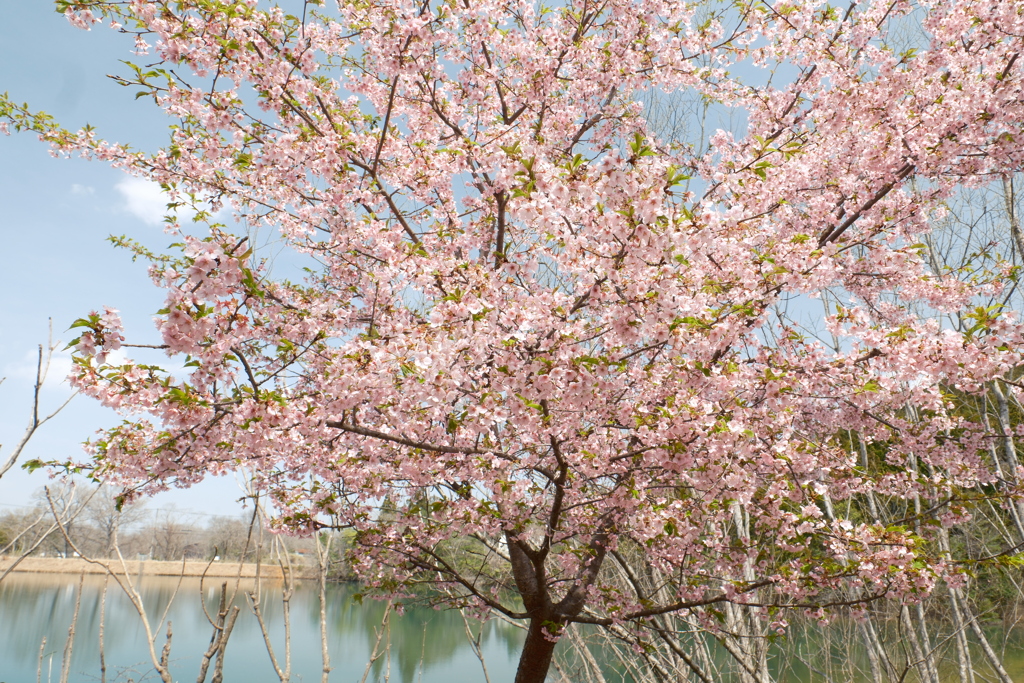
{"x":82,"y":190}
{"x":143,"y":199}
{"x":25,"y":368}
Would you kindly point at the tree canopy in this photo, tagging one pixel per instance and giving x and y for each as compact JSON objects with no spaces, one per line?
{"x":542,"y":335}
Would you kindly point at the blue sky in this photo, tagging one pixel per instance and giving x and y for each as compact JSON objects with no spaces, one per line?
{"x":54,"y":260}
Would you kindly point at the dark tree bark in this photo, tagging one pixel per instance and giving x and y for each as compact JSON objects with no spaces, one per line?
{"x":532,"y":582}
{"x":535,"y":659}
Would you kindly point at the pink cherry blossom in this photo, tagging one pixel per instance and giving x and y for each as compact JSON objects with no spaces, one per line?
{"x":534,"y":326}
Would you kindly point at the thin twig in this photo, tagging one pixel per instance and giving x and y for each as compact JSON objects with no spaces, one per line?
{"x":65,"y":665}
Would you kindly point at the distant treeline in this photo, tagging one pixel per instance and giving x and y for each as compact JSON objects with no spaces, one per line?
{"x":97,"y":529}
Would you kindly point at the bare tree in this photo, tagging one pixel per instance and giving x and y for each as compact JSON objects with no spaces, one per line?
{"x":171,"y":536}
{"x":36,"y":419}
{"x":105,"y":517}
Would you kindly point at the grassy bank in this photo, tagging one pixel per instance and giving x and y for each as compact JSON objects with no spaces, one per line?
{"x":76,"y":565}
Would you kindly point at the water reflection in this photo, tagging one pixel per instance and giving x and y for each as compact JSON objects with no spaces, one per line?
{"x":425,"y":644}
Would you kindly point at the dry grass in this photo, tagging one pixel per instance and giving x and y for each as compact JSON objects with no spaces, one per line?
{"x":76,"y":565}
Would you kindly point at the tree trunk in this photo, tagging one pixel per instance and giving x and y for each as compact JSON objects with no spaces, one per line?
{"x":535,"y":660}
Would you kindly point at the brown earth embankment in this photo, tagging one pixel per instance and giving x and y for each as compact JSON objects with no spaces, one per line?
{"x":76,"y":565}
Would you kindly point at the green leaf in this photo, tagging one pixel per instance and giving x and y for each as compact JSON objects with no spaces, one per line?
{"x":89,"y":322}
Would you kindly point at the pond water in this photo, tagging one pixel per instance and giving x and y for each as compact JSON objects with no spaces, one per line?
{"x":427,"y":645}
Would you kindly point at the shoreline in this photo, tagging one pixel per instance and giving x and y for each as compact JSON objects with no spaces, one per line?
{"x":189,"y":568}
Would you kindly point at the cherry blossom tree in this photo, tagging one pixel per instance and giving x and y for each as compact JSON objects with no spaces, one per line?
{"x":535,"y":340}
